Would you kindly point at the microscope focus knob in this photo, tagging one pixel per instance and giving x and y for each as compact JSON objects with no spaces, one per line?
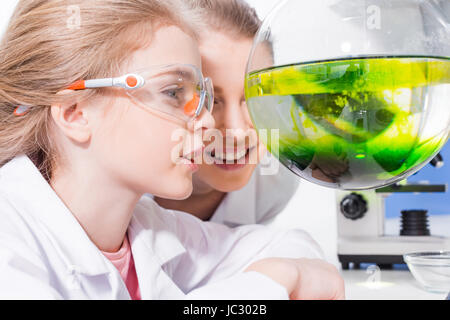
{"x":353,"y":206}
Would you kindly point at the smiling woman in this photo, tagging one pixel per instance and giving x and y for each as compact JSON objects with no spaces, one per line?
{"x":238,"y":182}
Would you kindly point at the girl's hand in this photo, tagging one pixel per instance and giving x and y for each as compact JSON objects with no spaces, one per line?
{"x":304,"y":279}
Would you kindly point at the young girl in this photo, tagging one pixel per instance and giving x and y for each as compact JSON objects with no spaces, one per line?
{"x":237,"y":192}
{"x":88,"y":107}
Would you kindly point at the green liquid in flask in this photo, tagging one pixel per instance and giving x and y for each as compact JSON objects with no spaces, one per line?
{"x":355,"y":123}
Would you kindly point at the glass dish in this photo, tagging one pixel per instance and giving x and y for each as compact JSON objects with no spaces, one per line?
{"x":430,"y":269}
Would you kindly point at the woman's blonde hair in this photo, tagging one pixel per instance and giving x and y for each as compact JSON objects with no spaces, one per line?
{"x":50,"y":44}
{"x":234,"y":17}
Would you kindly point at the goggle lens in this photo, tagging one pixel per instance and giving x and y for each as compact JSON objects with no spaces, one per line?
{"x":179,"y":90}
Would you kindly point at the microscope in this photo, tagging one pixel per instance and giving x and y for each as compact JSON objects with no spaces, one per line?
{"x":361,"y":226}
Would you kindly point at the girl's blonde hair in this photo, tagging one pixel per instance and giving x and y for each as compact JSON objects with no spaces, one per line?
{"x":49,"y":44}
{"x":235,"y":17}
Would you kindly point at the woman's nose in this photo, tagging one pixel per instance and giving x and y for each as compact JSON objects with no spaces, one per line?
{"x":236,"y":117}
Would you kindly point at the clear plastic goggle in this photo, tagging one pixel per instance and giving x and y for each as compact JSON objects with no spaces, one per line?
{"x":178,"y":90}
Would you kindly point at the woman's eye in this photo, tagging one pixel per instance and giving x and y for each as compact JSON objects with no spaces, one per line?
{"x":218,"y":102}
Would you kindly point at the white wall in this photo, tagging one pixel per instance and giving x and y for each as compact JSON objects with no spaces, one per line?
{"x":263,"y":7}
{"x":6,"y":10}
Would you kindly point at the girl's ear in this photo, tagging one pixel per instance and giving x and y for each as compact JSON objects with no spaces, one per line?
{"x":72,"y":120}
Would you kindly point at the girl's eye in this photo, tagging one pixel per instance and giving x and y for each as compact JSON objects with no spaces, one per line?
{"x":174,"y":93}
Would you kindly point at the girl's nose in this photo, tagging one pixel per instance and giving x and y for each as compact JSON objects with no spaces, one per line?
{"x":204,"y":121}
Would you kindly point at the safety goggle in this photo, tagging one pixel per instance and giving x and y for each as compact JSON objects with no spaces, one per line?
{"x":178,"y":90}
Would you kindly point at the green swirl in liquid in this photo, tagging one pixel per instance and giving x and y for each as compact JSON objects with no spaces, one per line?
{"x":354,"y":123}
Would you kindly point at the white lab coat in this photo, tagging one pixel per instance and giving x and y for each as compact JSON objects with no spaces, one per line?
{"x":45,"y":253}
{"x":261,"y":200}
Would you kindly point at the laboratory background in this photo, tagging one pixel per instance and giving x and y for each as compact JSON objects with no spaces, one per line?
{"x":318,"y":210}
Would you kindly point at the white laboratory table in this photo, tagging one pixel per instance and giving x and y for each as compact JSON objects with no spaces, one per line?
{"x":392,"y":285}
{"x":395,"y":284}
{"x":319,"y":219}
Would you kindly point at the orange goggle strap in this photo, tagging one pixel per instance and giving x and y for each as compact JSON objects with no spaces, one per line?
{"x":79,"y":85}
{"x":21,"y":110}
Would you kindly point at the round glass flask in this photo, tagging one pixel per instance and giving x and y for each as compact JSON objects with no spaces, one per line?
{"x":352,"y":94}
